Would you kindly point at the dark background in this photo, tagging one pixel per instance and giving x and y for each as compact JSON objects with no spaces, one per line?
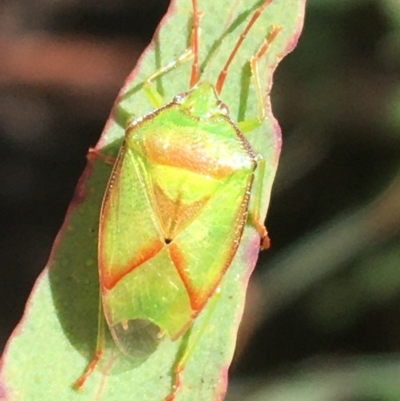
{"x":326,"y":298}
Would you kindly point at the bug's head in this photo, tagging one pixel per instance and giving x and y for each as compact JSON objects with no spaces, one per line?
{"x":202,"y":101}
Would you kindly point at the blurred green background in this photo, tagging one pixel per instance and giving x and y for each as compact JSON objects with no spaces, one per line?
{"x":322,"y":320}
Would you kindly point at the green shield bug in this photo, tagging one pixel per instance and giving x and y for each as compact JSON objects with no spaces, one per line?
{"x":175,"y":208}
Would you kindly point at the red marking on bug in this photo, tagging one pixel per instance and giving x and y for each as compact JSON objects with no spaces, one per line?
{"x":178,"y":258}
{"x":146,"y":253}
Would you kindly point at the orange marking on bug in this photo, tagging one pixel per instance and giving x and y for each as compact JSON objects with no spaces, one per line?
{"x":197,"y":160}
{"x":110,"y":280}
{"x":178,"y":258}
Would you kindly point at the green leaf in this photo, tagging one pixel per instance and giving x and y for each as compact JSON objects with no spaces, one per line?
{"x":56,"y":337}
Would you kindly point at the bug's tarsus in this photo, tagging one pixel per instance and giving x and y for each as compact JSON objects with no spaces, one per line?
{"x":224,"y":72}
{"x":177,"y":386}
{"x":265,"y":240}
{"x":265,"y":243}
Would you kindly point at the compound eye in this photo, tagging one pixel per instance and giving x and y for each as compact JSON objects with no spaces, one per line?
{"x":178,"y":98}
{"x":223,"y":108}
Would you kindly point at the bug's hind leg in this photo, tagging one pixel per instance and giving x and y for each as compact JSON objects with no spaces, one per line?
{"x":99,"y":352}
{"x":189,"y":344}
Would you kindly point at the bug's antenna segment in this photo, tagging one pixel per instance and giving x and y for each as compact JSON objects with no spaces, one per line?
{"x":195,"y":45}
{"x":224,"y":72}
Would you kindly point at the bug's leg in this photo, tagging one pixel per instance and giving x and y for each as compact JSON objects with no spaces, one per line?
{"x":150,"y":90}
{"x":255,"y":214}
{"x":190,"y":346}
{"x":100,"y":347}
{"x":253,"y":123}
{"x":192,"y":52}
{"x":250,"y":125}
{"x":95,"y":154}
{"x":124,"y":117}
{"x":153,"y":95}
